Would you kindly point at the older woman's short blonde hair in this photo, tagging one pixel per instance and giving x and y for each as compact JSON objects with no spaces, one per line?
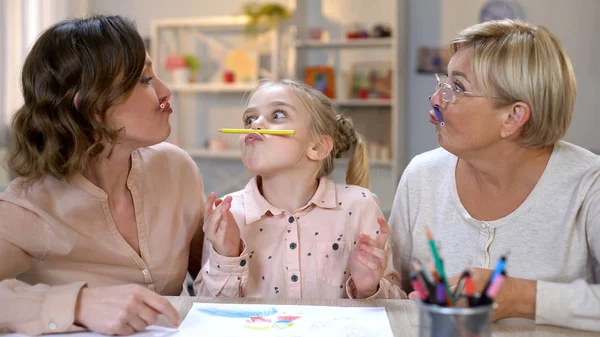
{"x":520,"y":62}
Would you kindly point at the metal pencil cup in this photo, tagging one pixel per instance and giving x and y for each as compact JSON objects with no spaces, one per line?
{"x":436,"y":321}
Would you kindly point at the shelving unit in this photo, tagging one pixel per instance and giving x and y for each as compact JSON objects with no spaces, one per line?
{"x":206,"y":153}
{"x":363,"y":102}
{"x":354,"y":43}
{"x":201,"y":108}
{"x":236,"y":155}
{"x":212,"y":87}
{"x":379,"y":120}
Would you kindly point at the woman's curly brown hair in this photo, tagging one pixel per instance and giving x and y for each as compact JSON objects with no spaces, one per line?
{"x":100,"y":58}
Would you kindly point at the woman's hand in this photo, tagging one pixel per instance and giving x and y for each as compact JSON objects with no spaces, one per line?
{"x":220,"y":227}
{"x":368,"y":261}
{"x":121,"y":310}
{"x":516,"y":297}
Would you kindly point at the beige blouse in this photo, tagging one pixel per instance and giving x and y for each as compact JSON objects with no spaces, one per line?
{"x":67,"y":230}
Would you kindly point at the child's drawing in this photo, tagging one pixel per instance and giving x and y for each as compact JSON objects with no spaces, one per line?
{"x":213,"y":319}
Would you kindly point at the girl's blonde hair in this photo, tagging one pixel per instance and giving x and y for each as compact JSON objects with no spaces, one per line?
{"x":326,"y":121}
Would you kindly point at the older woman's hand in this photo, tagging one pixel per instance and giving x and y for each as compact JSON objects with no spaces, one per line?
{"x":516,"y":297}
{"x":220,"y":226}
{"x":121,"y":310}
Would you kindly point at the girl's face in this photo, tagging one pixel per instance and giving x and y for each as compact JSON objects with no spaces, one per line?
{"x":142,"y":120}
{"x":276,"y":107}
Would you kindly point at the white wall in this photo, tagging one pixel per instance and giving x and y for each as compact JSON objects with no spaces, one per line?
{"x":3,"y":32}
{"x":574,"y":22}
{"x":423,"y":30}
{"x":21,"y":22}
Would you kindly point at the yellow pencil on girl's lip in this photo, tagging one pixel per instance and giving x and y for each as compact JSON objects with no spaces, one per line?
{"x":265,"y":132}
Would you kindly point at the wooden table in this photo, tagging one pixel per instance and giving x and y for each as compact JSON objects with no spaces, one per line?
{"x":403,"y":315}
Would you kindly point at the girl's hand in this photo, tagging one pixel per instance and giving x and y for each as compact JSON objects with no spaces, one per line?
{"x":220,"y":227}
{"x":369,"y":261}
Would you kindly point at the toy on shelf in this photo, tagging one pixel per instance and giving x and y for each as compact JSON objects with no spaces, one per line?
{"x":381,"y":30}
{"x":242,"y":65}
{"x":321,"y":78}
{"x":371,"y":80}
{"x":228,"y":76}
{"x":356,"y":31}
{"x":359,"y":31}
{"x":182,"y":68}
{"x":269,"y":14}
{"x":179,"y":72}
{"x":193,"y":64}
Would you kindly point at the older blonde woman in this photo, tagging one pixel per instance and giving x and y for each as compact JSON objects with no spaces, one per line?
{"x":504,"y":182}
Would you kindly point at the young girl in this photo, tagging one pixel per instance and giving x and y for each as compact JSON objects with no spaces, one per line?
{"x":292,"y":231}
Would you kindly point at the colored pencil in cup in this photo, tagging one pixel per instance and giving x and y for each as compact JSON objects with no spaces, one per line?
{"x":439,"y":264}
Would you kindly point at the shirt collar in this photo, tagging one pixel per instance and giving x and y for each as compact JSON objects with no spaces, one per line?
{"x":256,"y":206}
{"x":86,"y":185}
{"x":326,"y":195}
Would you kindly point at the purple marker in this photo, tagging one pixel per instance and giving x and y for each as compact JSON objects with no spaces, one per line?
{"x":438,"y":114}
{"x":440,"y":293}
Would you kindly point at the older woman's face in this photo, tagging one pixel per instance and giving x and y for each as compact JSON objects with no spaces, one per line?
{"x":471,"y":123}
{"x":143,"y":121}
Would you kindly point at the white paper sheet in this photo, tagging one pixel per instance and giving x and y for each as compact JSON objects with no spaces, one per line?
{"x":224,"y":320}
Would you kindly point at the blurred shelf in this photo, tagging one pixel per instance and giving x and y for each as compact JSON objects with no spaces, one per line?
{"x":213,"y":87}
{"x":354,"y":43}
{"x":206,"y":153}
{"x":217,"y":22}
{"x":364,"y":102}
{"x":372,"y":162}
{"x":381,"y":163}
{"x":236,"y":154}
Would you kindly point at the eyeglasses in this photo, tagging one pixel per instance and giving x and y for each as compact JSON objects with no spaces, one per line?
{"x":449,"y":93}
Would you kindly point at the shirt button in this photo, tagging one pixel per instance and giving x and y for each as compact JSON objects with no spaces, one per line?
{"x":243,"y":263}
{"x":293,"y":245}
{"x":482,"y":226}
{"x":291,"y":219}
{"x":145,"y":271}
{"x":294,"y":278}
{"x":52,"y":326}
